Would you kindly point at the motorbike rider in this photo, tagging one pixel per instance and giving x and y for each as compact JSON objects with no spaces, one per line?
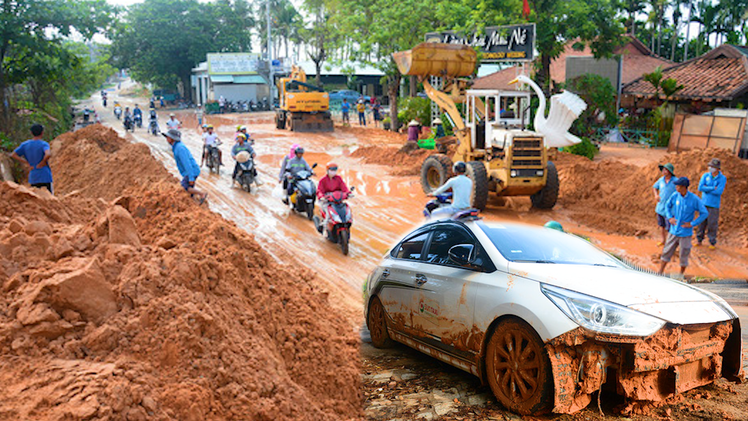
{"x":137,"y":113}
{"x":461,"y":187}
{"x":292,"y":164}
{"x":242,"y":145}
{"x":330,"y":183}
{"x":243,"y":129}
{"x":117,"y":109}
{"x":211,"y":140}
{"x":128,"y":117}
{"x":173,"y":123}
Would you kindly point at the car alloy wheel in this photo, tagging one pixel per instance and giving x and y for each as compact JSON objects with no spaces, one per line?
{"x":518,"y":368}
{"x":377,"y":324}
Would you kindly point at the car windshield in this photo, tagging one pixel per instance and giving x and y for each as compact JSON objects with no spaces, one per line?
{"x":544,"y":245}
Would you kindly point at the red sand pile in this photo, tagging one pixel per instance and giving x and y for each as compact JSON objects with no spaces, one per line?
{"x":618,"y":198}
{"x":400,"y":163}
{"x":151,"y":307}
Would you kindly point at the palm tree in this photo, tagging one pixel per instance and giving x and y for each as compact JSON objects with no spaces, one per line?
{"x":631,"y":7}
{"x":676,"y":23}
{"x":656,"y":18}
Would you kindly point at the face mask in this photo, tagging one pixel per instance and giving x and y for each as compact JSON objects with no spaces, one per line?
{"x":332,"y":174}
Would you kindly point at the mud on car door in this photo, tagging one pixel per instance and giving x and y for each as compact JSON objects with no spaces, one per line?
{"x":398,"y":283}
{"x":446,"y":300}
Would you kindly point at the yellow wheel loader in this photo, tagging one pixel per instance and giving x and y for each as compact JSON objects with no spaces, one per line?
{"x":303,"y":107}
{"x":501,"y":156}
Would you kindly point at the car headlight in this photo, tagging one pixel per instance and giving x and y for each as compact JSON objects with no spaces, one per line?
{"x":600,"y":315}
{"x":513,"y":173}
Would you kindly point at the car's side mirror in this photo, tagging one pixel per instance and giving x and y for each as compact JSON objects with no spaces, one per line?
{"x":314,"y":165}
{"x":462,"y":254}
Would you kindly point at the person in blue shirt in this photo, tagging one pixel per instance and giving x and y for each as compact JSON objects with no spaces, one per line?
{"x":461,"y":186}
{"x":35,"y":152}
{"x":663,"y":189}
{"x":680,"y":210}
{"x":185,"y":164}
{"x":345,"y":107}
{"x":711,"y":186}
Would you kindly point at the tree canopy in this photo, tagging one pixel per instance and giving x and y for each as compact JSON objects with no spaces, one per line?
{"x":160,"y":41}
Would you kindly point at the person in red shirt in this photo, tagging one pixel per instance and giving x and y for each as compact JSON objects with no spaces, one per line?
{"x":330,"y":183}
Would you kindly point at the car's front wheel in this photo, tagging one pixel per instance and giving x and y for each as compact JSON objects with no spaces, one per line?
{"x":377,"y":323}
{"x":518,"y":368}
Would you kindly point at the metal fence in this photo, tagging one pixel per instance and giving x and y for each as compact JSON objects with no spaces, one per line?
{"x":624,"y":135}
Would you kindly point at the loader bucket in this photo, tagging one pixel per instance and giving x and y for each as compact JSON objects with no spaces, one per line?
{"x":437,"y":59}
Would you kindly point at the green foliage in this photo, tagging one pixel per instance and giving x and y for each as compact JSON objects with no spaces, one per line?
{"x":585,"y":148}
{"x":411,"y":108}
{"x":160,"y":41}
{"x":40,"y":69}
{"x":600,"y":96}
{"x":668,"y":87}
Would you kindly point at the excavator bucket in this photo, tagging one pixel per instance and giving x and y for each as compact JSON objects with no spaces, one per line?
{"x":437,"y":59}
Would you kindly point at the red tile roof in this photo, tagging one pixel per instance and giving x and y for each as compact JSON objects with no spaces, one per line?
{"x":499,"y":80}
{"x":719,"y":75}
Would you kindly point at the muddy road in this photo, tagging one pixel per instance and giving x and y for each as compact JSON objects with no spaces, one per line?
{"x":400,"y":383}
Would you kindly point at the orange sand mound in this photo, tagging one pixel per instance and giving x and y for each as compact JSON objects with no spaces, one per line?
{"x":152,"y":307}
{"x":618,"y":197}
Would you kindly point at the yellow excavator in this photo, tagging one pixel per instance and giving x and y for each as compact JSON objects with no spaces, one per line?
{"x":501,"y":155}
{"x":303,"y":107}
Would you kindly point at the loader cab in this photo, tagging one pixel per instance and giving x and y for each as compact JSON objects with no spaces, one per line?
{"x":490,"y":113}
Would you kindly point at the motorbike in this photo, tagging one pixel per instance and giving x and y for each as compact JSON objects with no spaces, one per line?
{"x":117,"y":112}
{"x":129,"y":124}
{"x":445,"y":199}
{"x":153,"y":127}
{"x":138,"y":120}
{"x":304,"y":193}
{"x":339,"y":219}
{"x":213,"y":160}
{"x":246,"y":175}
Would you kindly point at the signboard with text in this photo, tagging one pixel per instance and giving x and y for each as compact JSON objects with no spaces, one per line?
{"x":233,"y":63}
{"x":496,"y":43}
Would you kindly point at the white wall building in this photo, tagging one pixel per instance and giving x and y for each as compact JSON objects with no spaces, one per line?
{"x":235,"y":76}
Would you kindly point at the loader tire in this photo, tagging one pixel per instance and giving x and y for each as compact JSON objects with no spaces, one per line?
{"x":280,"y":120}
{"x":435,"y":171}
{"x":476,"y":171}
{"x":547,"y":196}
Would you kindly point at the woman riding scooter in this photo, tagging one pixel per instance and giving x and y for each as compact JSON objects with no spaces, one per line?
{"x":330,"y":183}
{"x":292,"y":164}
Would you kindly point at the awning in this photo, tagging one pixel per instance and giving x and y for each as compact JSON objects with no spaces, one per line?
{"x":256,"y":79}
{"x":221,"y":78}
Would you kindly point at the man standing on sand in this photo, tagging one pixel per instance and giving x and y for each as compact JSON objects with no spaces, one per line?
{"x":35,"y":153}
{"x":185,"y":164}
{"x":199,"y":115}
{"x":711,"y":186}
{"x":679,"y":210}
{"x":663,"y":189}
{"x":173,"y":123}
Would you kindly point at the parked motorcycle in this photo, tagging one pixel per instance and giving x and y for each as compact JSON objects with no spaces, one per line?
{"x":129,"y":124}
{"x":339,"y":219}
{"x":213,"y":160}
{"x":304,"y":193}
{"x":246,"y":175}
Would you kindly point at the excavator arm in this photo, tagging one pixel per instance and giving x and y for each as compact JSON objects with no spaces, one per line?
{"x":448,"y":61}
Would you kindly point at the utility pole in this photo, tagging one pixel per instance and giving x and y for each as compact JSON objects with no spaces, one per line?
{"x":270,"y":55}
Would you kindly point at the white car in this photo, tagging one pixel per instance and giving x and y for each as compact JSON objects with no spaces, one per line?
{"x":545,"y":318}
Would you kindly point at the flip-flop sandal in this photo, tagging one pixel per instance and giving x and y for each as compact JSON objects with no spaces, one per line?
{"x":203,"y":199}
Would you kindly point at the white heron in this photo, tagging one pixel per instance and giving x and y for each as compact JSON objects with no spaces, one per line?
{"x":565,"y":108}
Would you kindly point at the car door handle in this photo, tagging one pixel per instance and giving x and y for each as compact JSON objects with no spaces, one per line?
{"x":385,"y":273}
{"x":421,"y":279}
